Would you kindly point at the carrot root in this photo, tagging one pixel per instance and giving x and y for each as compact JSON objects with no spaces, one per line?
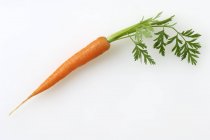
{"x":91,"y":51}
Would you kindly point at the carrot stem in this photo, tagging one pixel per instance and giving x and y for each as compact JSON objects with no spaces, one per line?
{"x":122,"y":32}
{"x":132,"y":29}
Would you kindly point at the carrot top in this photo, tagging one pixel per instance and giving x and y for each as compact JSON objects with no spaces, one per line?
{"x":184,"y":44}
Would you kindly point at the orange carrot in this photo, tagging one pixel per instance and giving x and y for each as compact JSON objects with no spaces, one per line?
{"x":184,"y":48}
{"x":91,"y":51}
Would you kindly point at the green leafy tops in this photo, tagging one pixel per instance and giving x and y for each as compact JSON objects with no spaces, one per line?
{"x":184,"y":44}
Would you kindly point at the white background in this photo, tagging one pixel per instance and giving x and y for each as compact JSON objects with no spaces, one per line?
{"x":113,"y":97}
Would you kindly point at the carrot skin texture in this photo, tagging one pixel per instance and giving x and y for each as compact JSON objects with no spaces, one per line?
{"x":91,"y":51}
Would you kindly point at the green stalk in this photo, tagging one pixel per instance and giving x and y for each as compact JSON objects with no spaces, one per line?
{"x":132,"y":29}
{"x":123,"y":32}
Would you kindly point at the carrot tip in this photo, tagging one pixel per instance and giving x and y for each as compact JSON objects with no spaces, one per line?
{"x":19,"y":105}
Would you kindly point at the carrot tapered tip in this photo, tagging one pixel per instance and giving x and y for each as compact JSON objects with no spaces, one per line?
{"x":19,"y":105}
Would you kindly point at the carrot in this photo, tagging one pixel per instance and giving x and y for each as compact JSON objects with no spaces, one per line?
{"x":137,"y":32}
{"x":91,"y":51}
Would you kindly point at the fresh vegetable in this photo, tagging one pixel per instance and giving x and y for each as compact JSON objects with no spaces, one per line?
{"x":94,"y":49}
{"x":184,"y":44}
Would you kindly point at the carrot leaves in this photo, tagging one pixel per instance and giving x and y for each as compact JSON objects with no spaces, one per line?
{"x":177,"y":46}
{"x":183,"y":44}
{"x":186,"y":49}
{"x":160,"y":42}
{"x":140,"y":52}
